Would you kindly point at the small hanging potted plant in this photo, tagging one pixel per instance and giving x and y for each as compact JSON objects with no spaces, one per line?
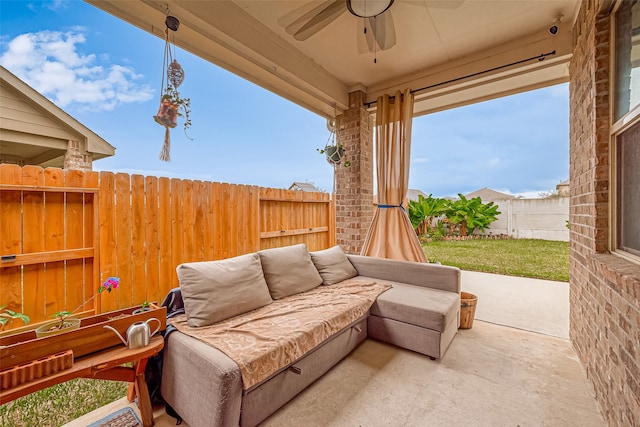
{"x":334,"y":152}
{"x":173,"y":106}
{"x":64,"y":322}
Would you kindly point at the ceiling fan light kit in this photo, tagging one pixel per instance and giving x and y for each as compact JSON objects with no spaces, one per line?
{"x":374,"y":21}
{"x":368,"y":8}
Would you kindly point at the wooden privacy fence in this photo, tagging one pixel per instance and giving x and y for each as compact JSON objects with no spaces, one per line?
{"x":64,"y":232}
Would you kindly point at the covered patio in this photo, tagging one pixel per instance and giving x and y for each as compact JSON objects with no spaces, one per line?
{"x":449,"y":54}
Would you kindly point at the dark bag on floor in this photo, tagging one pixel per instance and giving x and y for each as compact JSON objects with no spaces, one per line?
{"x":153,"y":372}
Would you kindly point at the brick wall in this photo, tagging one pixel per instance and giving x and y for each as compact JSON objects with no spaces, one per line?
{"x":76,"y":157}
{"x":354,"y":184}
{"x":604,"y":288}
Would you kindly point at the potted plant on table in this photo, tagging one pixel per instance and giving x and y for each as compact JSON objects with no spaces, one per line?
{"x":65,"y":322}
{"x":7,"y":316}
{"x":146,"y":306}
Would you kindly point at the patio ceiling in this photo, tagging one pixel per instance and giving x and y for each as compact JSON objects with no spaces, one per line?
{"x":438,"y":44}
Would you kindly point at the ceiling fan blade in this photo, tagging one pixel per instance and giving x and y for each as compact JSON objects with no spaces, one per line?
{"x":444,"y":4}
{"x":381,"y":32}
{"x":294,"y":20}
{"x":315,"y":20}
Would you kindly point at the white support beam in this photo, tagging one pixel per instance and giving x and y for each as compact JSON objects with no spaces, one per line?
{"x":485,"y":84}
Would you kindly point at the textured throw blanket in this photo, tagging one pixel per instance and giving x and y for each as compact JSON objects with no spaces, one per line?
{"x":266,"y":340}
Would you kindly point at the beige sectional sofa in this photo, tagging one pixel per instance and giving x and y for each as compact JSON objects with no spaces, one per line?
{"x":260,"y":328}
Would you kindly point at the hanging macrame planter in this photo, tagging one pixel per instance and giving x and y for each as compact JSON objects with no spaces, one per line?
{"x":172,"y":105}
{"x":333,"y":152}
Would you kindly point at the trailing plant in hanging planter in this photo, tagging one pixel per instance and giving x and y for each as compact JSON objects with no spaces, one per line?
{"x":173,"y":106}
{"x":334,"y":154}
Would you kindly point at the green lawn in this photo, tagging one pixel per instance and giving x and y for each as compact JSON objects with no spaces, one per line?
{"x":540,"y":259}
{"x":57,"y":405}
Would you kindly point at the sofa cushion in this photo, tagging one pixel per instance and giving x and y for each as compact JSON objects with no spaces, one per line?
{"x":289,"y":270}
{"x":216,"y":290}
{"x":333,"y":265}
{"x":417,"y":305}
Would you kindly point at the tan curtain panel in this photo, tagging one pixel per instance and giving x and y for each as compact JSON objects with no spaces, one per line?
{"x":391,"y":234}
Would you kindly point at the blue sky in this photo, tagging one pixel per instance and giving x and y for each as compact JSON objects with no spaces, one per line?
{"x":107,"y":74}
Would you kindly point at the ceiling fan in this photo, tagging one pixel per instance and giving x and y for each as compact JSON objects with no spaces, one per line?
{"x":376,"y":19}
{"x":379,"y":28}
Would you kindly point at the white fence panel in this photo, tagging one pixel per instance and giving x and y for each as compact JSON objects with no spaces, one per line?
{"x":532,"y":219}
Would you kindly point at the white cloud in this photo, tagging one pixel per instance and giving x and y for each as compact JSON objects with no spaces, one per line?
{"x":49,"y":62}
{"x":420,"y":160}
{"x":55,"y":5}
{"x":494,"y":162}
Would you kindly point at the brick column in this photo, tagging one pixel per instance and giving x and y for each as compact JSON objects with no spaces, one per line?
{"x":354,"y":184}
{"x":76,"y":157}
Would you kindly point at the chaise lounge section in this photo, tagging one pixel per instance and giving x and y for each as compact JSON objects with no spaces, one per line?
{"x":345,"y":298}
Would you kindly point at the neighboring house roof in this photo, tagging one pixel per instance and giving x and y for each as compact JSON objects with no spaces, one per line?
{"x":33,"y":130}
{"x":304,"y":186}
{"x":563,"y":188}
{"x":413,"y":194}
{"x":488,"y":195}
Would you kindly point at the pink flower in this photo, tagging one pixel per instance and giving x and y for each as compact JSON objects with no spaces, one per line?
{"x":110,"y":283}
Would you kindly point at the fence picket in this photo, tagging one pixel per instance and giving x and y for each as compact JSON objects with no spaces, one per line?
{"x":168,"y":278}
{"x":188,"y":222}
{"x":33,"y":241}
{"x":107,"y":231}
{"x":10,"y":227}
{"x":73,"y":235}
{"x":152,"y":234}
{"x":207,"y":221}
{"x":138,"y":240}
{"x":124,"y":260}
{"x":90,"y":234}
{"x":55,"y":294}
{"x":176,"y":224}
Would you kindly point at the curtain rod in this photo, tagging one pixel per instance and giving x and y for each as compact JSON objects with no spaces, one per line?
{"x":540,"y":57}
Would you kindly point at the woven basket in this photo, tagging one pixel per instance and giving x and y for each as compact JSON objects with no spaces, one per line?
{"x":467,"y":309}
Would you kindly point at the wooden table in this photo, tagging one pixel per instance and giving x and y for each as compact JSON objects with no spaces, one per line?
{"x":104,"y":365}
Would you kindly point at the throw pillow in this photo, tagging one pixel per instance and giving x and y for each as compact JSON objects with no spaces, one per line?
{"x":333,"y":265}
{"x":216,"y":290}
{"x":289,"y":270}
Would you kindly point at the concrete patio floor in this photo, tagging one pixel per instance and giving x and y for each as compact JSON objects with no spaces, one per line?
{"x":498,"y":373}
{"x":531,"y":304}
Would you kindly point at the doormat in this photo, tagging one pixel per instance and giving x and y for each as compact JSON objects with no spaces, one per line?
{"x":122,"y":418}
